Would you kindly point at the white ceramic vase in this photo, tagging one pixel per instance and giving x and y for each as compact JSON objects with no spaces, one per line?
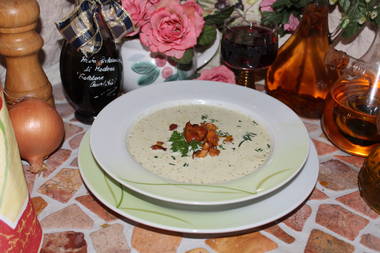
{"x":141,"y":67}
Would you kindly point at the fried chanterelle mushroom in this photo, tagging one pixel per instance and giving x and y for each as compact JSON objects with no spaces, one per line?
{"x":206,"y":134}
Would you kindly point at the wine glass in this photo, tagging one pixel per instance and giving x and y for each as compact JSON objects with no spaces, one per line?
{"x":246,"y":47}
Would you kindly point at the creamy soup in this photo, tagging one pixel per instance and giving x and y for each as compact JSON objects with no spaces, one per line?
{"x":248,"y":151}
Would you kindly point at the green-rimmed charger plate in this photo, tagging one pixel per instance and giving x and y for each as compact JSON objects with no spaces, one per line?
{"x":196,"y":219}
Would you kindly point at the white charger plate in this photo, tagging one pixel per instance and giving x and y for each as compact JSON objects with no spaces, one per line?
{"x":218,"y":219}
{"x":290,"y":141}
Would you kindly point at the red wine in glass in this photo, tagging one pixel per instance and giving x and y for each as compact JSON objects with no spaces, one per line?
{"x":246,"y":48}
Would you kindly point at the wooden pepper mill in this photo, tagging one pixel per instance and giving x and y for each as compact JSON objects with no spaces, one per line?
{"x":20,"y":44}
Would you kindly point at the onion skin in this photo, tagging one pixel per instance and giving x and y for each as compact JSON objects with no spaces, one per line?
{"x":39,"y":131}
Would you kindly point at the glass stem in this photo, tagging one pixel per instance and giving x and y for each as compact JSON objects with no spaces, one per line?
{"x":245,"y":78}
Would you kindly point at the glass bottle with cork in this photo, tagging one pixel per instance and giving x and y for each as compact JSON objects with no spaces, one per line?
{"x":90,"y":66}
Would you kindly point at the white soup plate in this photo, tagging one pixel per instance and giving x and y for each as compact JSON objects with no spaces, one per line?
{"x":290,"y":141}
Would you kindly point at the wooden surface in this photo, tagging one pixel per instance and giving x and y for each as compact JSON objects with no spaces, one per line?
{"x":20,"y":45}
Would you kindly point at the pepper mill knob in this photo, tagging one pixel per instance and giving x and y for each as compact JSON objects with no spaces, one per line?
{"x":20,"y":44}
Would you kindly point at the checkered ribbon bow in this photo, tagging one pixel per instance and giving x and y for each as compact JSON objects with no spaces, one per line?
{"x":81,"y":28}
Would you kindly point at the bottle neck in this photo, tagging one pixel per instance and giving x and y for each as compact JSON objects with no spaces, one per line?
{"x":314,"y":20}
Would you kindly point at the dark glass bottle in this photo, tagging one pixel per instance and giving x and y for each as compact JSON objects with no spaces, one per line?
{"x":90,"y":83}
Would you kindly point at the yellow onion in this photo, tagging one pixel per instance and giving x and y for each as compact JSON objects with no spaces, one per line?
{"x":39,"y":131}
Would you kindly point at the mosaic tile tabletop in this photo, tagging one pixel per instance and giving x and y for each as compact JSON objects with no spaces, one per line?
{"x":333,"y":218}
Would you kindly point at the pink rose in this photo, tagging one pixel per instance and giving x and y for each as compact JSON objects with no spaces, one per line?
{"x":219,"y":74}
{"x":139,"y":12}
{"x":266,"y":5}
{"x":292,"y":24}
{"x":195,"y":11}
{"x":173,"y":27}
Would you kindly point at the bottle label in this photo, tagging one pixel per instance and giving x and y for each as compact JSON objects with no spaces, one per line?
{"x":97,"y":71}
{"x":90,"y":83}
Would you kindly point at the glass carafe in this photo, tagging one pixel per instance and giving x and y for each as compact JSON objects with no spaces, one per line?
{"x":298,"y":76}
{"x":353,"y":106}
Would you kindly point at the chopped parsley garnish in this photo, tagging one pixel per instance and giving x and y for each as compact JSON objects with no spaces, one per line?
{"x":221,"y":147}
{"x":222,"y":133}
{"x":268,"y":146}
{"x":204,"y":117}
{"x":179,"y":144}
{"x":247,"y":137}
{"x":254,"y":123}
{"x":259,"y":150}
{"x":185,"y":165}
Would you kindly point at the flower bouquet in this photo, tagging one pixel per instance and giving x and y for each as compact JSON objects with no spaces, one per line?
{"x":171,"y":31}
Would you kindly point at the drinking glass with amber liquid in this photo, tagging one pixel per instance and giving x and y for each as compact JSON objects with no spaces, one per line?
{"x":351,"y":115}
{"x":246,"y":47}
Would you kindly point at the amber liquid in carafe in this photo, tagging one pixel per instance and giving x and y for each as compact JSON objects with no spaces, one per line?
{"x":298,"y":77}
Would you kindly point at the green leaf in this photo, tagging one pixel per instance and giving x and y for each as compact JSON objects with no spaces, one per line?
{"x":186,"y":58}
{"x":219,"y":17}
{"x":280,"y":4}
{"x":179,"y":144}
{"x":181,"y":75}
{"x":271,"y":18}
{"x":351,"y":30}
{"x":143,"y":68}
{"x":149,"y":78}
{"x":345,"y":4}
{"x":285,"y":18}
{"x":377,"y":18}
{"x":194,"y":76}
{"x":207,"y":36}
